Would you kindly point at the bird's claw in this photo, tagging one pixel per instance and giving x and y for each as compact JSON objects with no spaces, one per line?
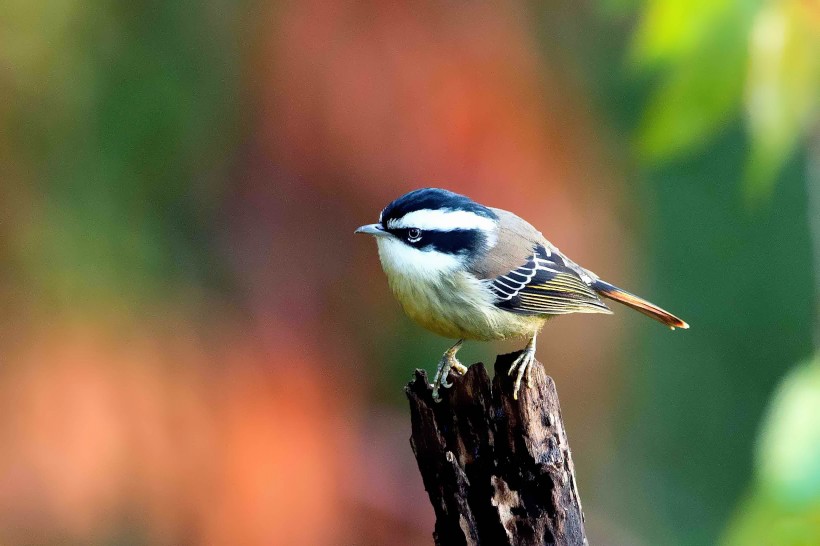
{"x":458,"y":367}
{"x":443,"y":380}
{"x":448,"y":363}
{"x":523,"y":364}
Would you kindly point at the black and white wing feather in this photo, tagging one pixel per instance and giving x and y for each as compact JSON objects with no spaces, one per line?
{"x":547,"y":284}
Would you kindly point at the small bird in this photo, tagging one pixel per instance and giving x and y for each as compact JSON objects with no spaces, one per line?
{"x":466,"y":271}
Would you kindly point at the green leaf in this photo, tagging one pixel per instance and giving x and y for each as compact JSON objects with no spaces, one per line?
{"x":699,"y":96}
{"x":699,"y":51}
{"x":762,"y":521}
{"x":783,"y":507}
{"x":788,"y":458}
{"x":782,"y":90}
{"x":671,"y":30}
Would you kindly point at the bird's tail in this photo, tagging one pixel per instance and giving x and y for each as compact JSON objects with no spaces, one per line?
{"x":639,"y":304}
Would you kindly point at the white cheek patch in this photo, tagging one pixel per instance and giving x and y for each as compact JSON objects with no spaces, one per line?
{"x":400,"y":259}
{"x":443,"y":220}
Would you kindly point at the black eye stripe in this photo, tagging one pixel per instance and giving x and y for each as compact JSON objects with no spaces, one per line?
{"x":450,"y":242}
{"x":453,"y":242}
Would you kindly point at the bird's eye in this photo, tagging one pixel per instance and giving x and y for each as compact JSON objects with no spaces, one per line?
{"x":413,"y":235}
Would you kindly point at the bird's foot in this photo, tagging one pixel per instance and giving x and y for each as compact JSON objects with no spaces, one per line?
{"x":448,"y":363}
{"x":523,"y":364}
{"x":458,"y":367}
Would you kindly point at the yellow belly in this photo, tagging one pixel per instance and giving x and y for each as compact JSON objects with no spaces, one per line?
{"x":460,"y":307}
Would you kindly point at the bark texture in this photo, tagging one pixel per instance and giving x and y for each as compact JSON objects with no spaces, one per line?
{"x":498,"y":471}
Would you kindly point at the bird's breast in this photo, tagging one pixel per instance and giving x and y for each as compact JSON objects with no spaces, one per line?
{"x":437,"y":292}
{"x":459,"y":306}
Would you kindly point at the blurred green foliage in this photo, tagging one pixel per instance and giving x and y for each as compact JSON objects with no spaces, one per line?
{"x":697,"y":398}
{"x":707,"y":112}
{"x":783,"y":506}
{"x":718,"y":61}
{"x":121,"y":114}
{"x":716,"y":57}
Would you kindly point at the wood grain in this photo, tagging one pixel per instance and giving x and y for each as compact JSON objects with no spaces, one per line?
{"x":497,"y":471}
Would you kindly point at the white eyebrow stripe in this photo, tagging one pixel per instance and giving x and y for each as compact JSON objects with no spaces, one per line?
{"x":443,"y":220}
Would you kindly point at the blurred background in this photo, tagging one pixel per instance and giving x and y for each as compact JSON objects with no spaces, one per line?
{"x":195,"y":349}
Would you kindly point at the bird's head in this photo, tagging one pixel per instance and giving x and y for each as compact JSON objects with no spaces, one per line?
{"x":432,"y":232}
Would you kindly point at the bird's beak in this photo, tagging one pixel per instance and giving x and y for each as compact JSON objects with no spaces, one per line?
{"x":372,"y":229}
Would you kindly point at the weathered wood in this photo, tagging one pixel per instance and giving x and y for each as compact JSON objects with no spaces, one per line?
{"x":498,"y":471}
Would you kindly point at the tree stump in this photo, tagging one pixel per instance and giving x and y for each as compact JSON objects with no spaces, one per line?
{"x":498,"y":471}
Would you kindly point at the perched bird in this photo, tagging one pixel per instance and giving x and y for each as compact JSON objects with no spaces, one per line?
{"x":466,"y":271}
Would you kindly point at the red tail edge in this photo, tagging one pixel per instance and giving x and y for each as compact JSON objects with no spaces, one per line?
{"x":639,"y":304}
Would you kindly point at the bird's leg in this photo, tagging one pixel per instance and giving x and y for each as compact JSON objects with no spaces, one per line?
{"x":448,"y":362}
{"x":523,"y":364}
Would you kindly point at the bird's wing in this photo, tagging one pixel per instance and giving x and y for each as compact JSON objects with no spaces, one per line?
{"x":516,"y":239}
{"x":547,"y":283}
